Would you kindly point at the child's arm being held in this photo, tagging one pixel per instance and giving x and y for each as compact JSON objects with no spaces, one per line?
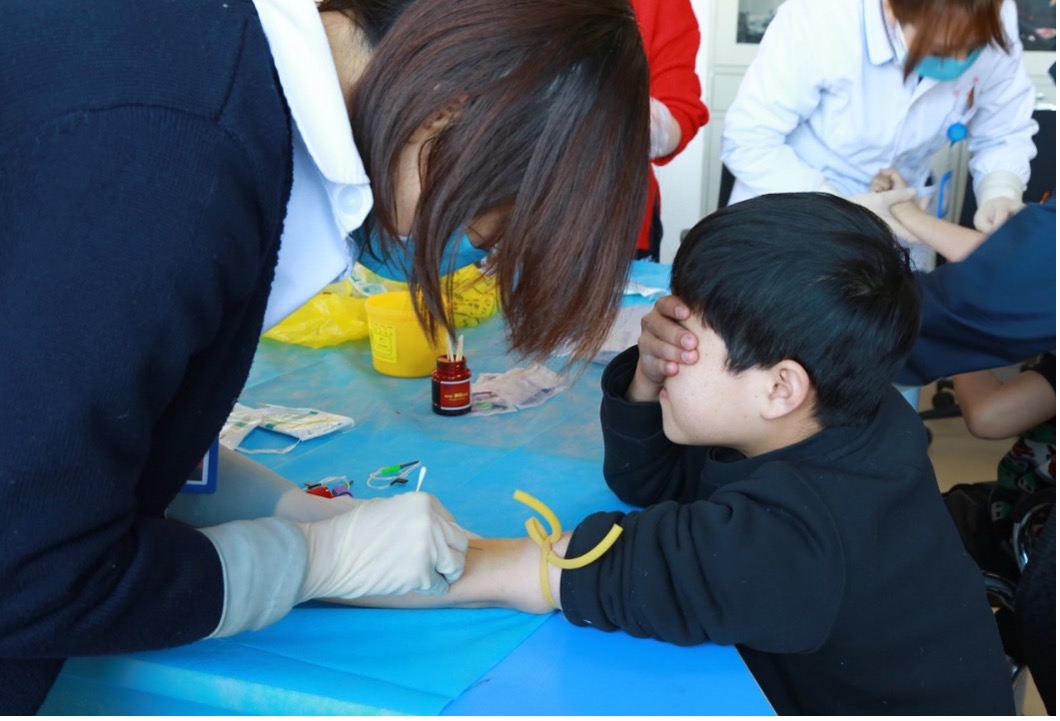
{"x":953,"y":242}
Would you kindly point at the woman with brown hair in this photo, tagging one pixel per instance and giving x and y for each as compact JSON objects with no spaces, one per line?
{"x":513,"y":106}
{"x":179,"y":177}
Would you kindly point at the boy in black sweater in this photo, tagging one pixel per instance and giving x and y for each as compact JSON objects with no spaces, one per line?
{"x":790,"y":507}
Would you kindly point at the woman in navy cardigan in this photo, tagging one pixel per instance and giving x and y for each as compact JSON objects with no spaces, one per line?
{"x":177,"y":175}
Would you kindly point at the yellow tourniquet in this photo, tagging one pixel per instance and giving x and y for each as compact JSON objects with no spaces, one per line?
{"x":537,"y":534}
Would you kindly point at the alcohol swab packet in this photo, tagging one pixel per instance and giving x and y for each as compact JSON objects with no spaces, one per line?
{"x":515,"y":389}
{"x":302,"y":424}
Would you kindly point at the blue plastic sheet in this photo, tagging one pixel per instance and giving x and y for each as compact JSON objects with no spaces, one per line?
{"x":324,"y":659}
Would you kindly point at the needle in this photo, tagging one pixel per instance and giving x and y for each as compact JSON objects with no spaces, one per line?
{"x":423,"y":472}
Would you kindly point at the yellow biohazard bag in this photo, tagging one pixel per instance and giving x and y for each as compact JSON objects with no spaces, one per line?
{"x":332,"y":316}
{"x":336,"y":314}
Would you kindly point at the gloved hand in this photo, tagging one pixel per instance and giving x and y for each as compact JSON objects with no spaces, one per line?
{"x":247,"y":490}
{"x":994,"y":212}
{"x":384,"y":546}
{"x":880,"y":204}
{"x":999,"y":195}
{"x":664,"y":130}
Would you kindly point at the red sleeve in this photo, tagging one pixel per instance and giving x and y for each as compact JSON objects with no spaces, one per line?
{"x":671,"y":41}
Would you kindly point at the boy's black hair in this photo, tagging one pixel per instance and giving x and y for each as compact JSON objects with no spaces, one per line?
{"x":809,"y":277}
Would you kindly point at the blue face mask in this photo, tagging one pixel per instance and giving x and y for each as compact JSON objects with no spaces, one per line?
{"x":399,"y":265}
{"x":944,"y":69}
{"x":933,"y":66}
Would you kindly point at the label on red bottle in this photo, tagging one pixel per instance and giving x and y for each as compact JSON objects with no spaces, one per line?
{"x":454,"y":395}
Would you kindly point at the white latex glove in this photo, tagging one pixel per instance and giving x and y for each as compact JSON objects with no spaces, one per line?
{"x":384,"y":546}
{"x":247,"y":490}
{"x":994,"y":212}
{"x":999,"y":195}
{"x":264,"y":566}
{"x":880,"y":204}
{"x":664,"y":130}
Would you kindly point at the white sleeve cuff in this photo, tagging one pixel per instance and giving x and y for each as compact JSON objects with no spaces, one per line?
{"x":264,"y":564}
{"x":999,"y":184}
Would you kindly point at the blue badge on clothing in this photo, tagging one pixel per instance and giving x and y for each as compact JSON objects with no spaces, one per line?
{"x":204,"y":477}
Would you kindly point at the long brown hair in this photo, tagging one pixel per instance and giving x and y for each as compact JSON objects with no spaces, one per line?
{"x":548,"y":123}
{"x":964,"y":23}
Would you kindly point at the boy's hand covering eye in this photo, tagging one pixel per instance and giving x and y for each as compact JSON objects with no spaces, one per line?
{"x":664,"y":345}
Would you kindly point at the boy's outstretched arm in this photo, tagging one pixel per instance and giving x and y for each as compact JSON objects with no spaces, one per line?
{"x":498,"y":573}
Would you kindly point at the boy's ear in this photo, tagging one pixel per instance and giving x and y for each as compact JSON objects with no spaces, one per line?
{"x":790,"y":387}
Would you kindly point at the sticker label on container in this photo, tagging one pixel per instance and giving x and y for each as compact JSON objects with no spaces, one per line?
{"x":383,"y":339}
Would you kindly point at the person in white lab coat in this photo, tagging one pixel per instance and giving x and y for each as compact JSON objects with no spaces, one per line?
{"x":841,"y":89}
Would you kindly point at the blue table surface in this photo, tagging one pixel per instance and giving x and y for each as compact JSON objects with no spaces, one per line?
{"x":323,"y":659}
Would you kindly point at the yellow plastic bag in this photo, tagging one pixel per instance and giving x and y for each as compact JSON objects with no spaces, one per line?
{"x":475,"y":297}
{"x":336,"y":314}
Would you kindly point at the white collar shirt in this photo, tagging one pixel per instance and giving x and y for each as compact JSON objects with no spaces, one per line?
{"x":825,"y":102}
{"x":330,"y":194}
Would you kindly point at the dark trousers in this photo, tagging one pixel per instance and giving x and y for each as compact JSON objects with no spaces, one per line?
{"x":1028,"y":629}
